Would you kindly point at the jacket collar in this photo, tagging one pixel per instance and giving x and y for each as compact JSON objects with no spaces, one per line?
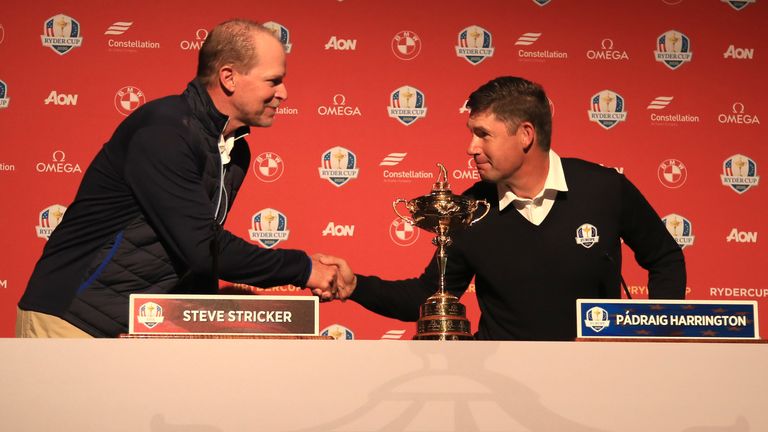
{"x":205,"y":111}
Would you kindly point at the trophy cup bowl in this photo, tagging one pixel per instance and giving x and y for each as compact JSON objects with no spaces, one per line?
{"x":442,"y":317}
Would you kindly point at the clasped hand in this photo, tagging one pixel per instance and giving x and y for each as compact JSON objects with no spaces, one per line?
{"x":331,"y":278}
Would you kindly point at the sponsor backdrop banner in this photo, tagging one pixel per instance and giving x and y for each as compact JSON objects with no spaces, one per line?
{"x":670,"y":92}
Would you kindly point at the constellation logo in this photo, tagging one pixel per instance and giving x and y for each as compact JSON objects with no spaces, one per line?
{"x":269,"y":227}
{"x":196,"y":43}
{"x":338,"y":44}
{"x":118,"y":28}
{"x":392,"y":159}
{"x":739,"y":4}
{"x":4,"y":99}
{"x":528,"y":38}
{"x":673,"y":49}
{"x":58,"y":165}
{"x":401,"y":176}
{"x":49,"y":219}
{"x":680,"y":228}
{"x":339,"y":108}
{"x":61,"y":33}
{"x":606,"y":52}
{"x":338,"y":166}
{"x":406,"y":45}
{"x":475,"y":44}
{"x":607,"y":109}
{"x":60,"y":99}
{"x":407,"y":104}
{"x":281,"y":33}
{"x":672,"y":173}
{"x":586,"y":235}
{"x":127,"y":99}
{"x":402,"y":233}
{"x":739,"y":173}
{"x":661,"y":103}
{"x":742,"y":236}
{"x":268,"y":167}
{"x":739,"y":53}
{"x":737,"y":116}
{"x":469,"y":173}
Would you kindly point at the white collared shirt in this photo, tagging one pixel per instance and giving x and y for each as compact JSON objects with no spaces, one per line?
{"x":536,"y":209}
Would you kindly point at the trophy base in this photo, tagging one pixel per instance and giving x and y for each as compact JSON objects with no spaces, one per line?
{"x":442,"y":317}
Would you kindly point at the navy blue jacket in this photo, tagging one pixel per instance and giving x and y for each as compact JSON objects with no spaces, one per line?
{"x":143,"y":221}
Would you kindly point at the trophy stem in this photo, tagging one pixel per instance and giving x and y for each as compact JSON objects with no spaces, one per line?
{"x":442,"y":260}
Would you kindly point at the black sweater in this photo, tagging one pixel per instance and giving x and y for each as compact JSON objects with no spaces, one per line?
{"x":143,"y":221}
{"x":528,"y":277}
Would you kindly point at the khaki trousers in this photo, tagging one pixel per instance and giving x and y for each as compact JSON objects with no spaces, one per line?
{"x":31,"y":324}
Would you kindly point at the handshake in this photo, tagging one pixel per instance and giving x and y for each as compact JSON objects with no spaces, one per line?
{"x":331,"y":278}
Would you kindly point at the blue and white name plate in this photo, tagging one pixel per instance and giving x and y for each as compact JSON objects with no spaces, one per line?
{"x":667,"y":319}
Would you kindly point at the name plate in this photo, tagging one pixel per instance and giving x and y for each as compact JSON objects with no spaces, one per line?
{"x":667,"y":319}
{"x":224,"y":314}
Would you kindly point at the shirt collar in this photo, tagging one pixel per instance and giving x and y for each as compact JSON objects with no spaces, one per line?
{"x":226,"y":144}
{"x":555,"y":182}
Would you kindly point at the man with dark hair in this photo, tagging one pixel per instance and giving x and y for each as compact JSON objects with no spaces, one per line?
{"x":553,"y":234}
{"x":149,"y":212}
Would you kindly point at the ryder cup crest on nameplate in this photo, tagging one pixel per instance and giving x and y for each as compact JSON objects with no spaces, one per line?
{"x":442,"y":317}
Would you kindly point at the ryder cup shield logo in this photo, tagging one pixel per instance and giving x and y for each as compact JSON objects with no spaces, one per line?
{"x":586,"y":235}
{"x":739,"y":173}
{"x":607,"y":109}
{"x":673,"y":49}
{"x":338,"y":166}
{"x":406,"y":105}
{"x":150,"y":314}
{"x":475,"y":44}
{"x":269,"y":227}
{"x":49,"y":219}
{"x":4,"y":99}
{"x":281,"y":33}
{"x":268,"y":167}
{"x":680,"y":228}
{"x":597,"y":318}
{"x":61,"y":33}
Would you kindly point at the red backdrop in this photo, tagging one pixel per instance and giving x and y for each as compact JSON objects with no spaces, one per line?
{"x":680,"y":95}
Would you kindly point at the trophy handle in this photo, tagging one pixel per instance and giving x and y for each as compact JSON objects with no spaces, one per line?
{"x":485,"y":213}
{"x":394,"y":207}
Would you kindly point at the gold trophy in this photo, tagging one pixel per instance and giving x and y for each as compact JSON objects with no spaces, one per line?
{"x":442,"y":317}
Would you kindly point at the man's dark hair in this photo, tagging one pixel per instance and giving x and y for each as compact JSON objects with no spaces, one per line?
{"x":514,"y":100}
{"x":230,"y":42}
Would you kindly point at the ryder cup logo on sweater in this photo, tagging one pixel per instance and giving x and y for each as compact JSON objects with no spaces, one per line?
{"x":680,"y":228}
{"x":406,"y":45}
{"x":586,"y":235}
{"x":607,"y":109}
{"x":338,"y":166}
{"x":281,"y":33}
{"x":406,"y":104}
{"x":4,"y":100}
{"x":672,"y":173}
{"x":739,"y":4}
{"x":739,"y":173}
{"x":49,"y":220}
{"x":474,"y":44}
{"x":597,"y":318}
{"x":673,"y":49}
{"x":269,"y":227}
{"x":128,"y":98}
{"x":268,"y":167}
{"x":150,"y":314}
{"x":61,"y":33}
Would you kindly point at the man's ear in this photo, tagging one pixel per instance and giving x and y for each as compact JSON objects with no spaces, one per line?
{"x":527,"y":133}
{"x":227,"y":78}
